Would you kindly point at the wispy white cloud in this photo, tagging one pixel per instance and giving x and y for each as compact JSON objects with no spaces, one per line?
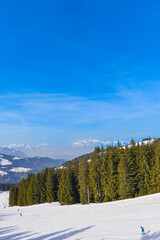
{"x":43,"y":116}
{"x":60,"y":109}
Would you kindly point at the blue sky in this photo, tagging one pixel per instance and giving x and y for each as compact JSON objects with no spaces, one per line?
{"x":72,"y":70}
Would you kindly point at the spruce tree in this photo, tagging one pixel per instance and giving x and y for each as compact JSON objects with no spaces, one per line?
{"x":62,"y":187}
{"x":32,"y":196}
{"x":83,"y":181}
{"x":155,"y":177}
{"x":50,"y":186}
{"x":69,"y":196}
{"x":21,"y":193}
{"x":75,"y":167}
{"x":66,"y":188}
{"x":103,"y":175}
{"x":94,"y":175}
{"x":38,"y":187}
{"x":123,"y":176}
{"x":13,"y":195}
{"x":112,"y":175}
{"x":144,"y":173}
{"x":43,"y":189}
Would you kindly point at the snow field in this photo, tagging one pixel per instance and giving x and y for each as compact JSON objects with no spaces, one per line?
{"x":115,"y":220}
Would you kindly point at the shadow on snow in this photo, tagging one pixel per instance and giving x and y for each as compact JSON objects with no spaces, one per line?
{"x":154,"y":236}
{"x":8,"y":233}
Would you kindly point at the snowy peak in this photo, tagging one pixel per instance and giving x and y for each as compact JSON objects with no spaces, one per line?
{"x":95,"y":143}
{"x":12,"y":151}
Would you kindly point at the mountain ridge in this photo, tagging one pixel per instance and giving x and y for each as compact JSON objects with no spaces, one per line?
{"x":13,"y":169}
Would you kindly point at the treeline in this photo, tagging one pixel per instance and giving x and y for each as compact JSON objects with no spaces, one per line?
{"x":111,"y":174}
{"x":5,"y":186}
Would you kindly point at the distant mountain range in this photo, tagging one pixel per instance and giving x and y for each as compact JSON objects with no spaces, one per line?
{"x":13,"y":168}
{"x":13,"y":152}
{"x":67,"y":152}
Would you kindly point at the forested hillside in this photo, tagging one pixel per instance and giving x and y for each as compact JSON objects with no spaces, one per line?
{"x":111,"y":174}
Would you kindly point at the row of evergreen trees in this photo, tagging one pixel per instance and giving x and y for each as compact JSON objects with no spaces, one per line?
{"x":5,"y":186}
{"x":111,"y":174}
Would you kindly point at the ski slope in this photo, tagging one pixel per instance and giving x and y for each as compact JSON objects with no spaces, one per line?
{"x":120,"y":220}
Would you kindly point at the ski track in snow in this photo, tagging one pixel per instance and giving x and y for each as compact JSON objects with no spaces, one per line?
{"x":120,"y":220}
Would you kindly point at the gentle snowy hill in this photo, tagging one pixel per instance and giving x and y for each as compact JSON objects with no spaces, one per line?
{"x":13,"y":169}
{"x":120,"y":220}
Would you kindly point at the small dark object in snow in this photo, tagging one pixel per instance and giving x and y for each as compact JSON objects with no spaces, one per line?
{"x":21,"y":214}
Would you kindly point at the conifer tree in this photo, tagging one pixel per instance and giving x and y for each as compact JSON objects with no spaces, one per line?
{"x":112,"y":176}
{"x":50,"y":186}
{"x":21,"y":193}
{"x":127,"y":174}
{"x":38,"y":187}
{"x":56,"y":180}
{"x":62,"y":187}
{"x":83,"y":181}
{"x":66,"y":188}
{"x":75,"y":167}
{"x":123,"y":176}
{"x":69,"y":196}
{"x":43,"y":189}
{"x":26,"y":186}
{"x":103,"y":175}
{"x":144,"y":174}
{"x":13,"y":194}
{"x":94,"y":175}
{"x":155,"y":177}
{"x":132,"y":171}
{"x":32,"y":197}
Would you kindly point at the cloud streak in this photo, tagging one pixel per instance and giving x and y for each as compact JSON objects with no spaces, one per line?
{"x":58,"y":113}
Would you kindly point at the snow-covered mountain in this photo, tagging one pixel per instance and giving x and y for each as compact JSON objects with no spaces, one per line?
{"x":13,"y":169}
{"x":12,"y":151}
{"x":67,"y":152}
{"x":95,"y":143}
{"x":119,"y":220}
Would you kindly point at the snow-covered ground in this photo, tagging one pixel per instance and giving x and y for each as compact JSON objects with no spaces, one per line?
{"x":116,"y":220}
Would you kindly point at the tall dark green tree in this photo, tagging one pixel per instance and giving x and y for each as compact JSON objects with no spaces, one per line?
{"x":144,"y":173}
{"x":66,"y":188}
{"x":43,"y":188}
{"x":155,"y":176}
{"x":62,"y":188}
{"x":50,"y":186}
{"x":83,"y":181}
{"x":103,"y":175}
{"x":38,"y":183}
{"x":94,"y":175}
{"x":123,"y":176}
{"x":22,"y":193}
{"x":112,"y":174}
{"x":70,"y":196}
{"x":13,"y":195}
{"x":32,"y":196}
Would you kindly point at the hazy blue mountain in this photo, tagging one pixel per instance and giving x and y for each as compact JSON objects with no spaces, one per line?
{"x":13,"y":169}
{"x":13,"y":152}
